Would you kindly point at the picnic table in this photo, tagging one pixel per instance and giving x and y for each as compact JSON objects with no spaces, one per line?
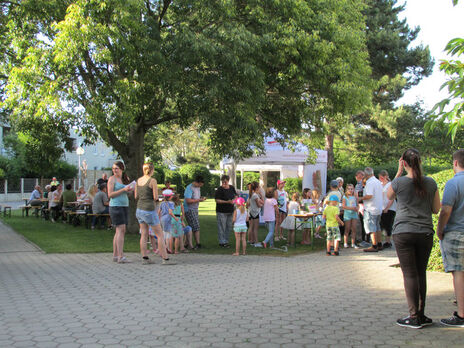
{"x":304,"y":217}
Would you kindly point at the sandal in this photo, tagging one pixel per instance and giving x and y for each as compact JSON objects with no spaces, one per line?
{"x":123,"y":260}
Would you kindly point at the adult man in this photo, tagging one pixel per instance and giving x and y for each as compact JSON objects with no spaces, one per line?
{"x":103,"y":179}
{"x":100,"y":203}
{"x":373,"y":201}
{"x":36,"y":195}
{"x":225,"y":196}
{"x":192,"y":199}
{"x":68,"y":196}
{"x":450,"y":231}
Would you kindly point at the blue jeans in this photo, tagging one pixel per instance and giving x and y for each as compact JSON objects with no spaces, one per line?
{"x":270,"y":225}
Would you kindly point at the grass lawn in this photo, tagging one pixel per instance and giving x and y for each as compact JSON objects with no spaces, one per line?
{"x":64,"y":238}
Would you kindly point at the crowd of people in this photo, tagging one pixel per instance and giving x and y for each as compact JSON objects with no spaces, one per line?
{"x":382,"y":210}
{"x":374,"y":214}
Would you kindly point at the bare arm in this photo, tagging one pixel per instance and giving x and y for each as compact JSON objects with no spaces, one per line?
{"x":235,"y":216}
{"x":390,"y":193}
{"x":443,"y":219}
{"x":436,"y":202}
{"x":155,"y":189}
{"x":340,"y":222}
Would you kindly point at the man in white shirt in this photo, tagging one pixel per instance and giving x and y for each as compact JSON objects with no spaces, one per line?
{"x":373,"y":202}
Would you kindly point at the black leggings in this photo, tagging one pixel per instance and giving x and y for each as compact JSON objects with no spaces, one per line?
{"x":413,"y":250}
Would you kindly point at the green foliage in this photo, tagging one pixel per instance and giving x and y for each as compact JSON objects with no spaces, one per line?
{"x":293,"y":185}
{"x":160,"y":174}
{"x":176,"y":180}
{"x":348,"y":174}
{"x":190,"y":171}
{"x":117,"y":69}
{"x":62,"y":170}
{"x":435,"y":261}
{"x":2,"y":174}
{"x":450,"y":110}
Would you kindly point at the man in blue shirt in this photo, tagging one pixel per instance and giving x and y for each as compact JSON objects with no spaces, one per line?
{"x":450,"y":231}
{"x":192,"y":199}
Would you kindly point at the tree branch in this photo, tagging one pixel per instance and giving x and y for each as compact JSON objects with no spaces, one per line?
{"x":166,"y":4}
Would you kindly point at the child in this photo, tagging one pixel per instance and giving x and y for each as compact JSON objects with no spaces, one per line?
{"x":316,"y":194}
{"x":177,"y":223}
{"x":270,"y":212}
{"x":350,"y":216}
{"x":289,"y":222}
{"x":282,"y":200}
{"x":255,"y":203}
{"x":332,"y":221}
{"x":306,"y":202}
{"x":240,"y":219}
{"x":165,"y":214}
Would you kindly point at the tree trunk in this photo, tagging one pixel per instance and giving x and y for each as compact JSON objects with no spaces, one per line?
{"x":134,"y":159}
{"x":329,"y":147}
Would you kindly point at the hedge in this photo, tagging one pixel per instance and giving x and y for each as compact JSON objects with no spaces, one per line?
{"x":348,"y":174}
{"x":188,"y":173}
{"x":435,"y":261}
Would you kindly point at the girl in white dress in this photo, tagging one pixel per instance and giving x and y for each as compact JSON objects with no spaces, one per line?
{"x":289,"y":222}
{"x":240,"y":219}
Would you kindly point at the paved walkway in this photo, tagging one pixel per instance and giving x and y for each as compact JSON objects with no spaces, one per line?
{"x":86,"y":300}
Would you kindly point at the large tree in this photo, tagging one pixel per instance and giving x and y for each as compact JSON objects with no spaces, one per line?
{"x":241,"y":69}
{"x":396,"y":66}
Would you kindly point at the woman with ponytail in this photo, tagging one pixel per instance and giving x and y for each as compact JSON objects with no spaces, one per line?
{"x":417,"y":199}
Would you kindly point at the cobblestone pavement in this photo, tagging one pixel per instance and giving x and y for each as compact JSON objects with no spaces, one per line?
{"x":86,"y":300}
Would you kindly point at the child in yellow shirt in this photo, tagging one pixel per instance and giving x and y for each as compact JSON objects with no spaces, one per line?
{"x":330,"y":214}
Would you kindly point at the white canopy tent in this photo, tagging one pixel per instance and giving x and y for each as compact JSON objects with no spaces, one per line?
{"x":290,"y":164}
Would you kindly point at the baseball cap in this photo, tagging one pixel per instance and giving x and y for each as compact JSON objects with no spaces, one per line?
{"x":281,"y":182}
{"x":334,"y":183}
{"x":333,"y":198}
{"x":240,"y":201}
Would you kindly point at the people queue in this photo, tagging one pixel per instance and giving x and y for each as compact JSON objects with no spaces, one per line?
{"x":401,"y":210}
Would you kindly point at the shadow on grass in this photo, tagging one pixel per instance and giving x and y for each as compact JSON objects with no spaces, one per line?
{"x":64,"y":238}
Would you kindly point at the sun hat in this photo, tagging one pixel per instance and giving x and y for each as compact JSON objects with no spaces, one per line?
{"x":339,"y":179}
{"x":168,"y":193}
{"x":333,"y":198}
{"x":240,"y":201}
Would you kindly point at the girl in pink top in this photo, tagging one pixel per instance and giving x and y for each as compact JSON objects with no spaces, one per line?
{"x":269,"y":216}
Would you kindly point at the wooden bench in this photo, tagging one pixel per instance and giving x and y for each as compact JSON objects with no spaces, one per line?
{"x":25,"y":208}
{"x":6,"y":209}
{"x":90,"y":216}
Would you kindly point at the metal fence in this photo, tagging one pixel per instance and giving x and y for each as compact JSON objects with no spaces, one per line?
{"x":14,"y":186}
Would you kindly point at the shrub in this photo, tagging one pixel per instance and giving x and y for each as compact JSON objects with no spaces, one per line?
{"x":348,"y":174}
{"x":160,"y":173}
{"x":435,"y":261}
{"x":293,"y":185}
{"x":176,"y":180}
{"x":190,"y":171}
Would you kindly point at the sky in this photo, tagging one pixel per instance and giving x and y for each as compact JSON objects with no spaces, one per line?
{"x":440,"y":22}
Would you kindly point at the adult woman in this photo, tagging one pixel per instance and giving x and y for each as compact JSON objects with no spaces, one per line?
{"x":417,"y":198}
{"x":54,"y":203}
{"x":256,"y":202}
{"x":388,"y":209}
{"x":81,"y":194}
{"x":146,"y":194}
{"x":118,"y":188}
{"x":91,"y":193}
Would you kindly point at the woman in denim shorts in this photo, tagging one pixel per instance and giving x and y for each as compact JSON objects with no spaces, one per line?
{"x":118,"y":188}
{"x":146,"y":194}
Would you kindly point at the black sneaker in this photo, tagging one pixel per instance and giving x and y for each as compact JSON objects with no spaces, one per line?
{"x":387,"y":245}
{"x":455,"y":321}
{"x":336,"y":253}
{"x":426,"y":321}
{"x":412,"y":323}
{"x":198,"y":246}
